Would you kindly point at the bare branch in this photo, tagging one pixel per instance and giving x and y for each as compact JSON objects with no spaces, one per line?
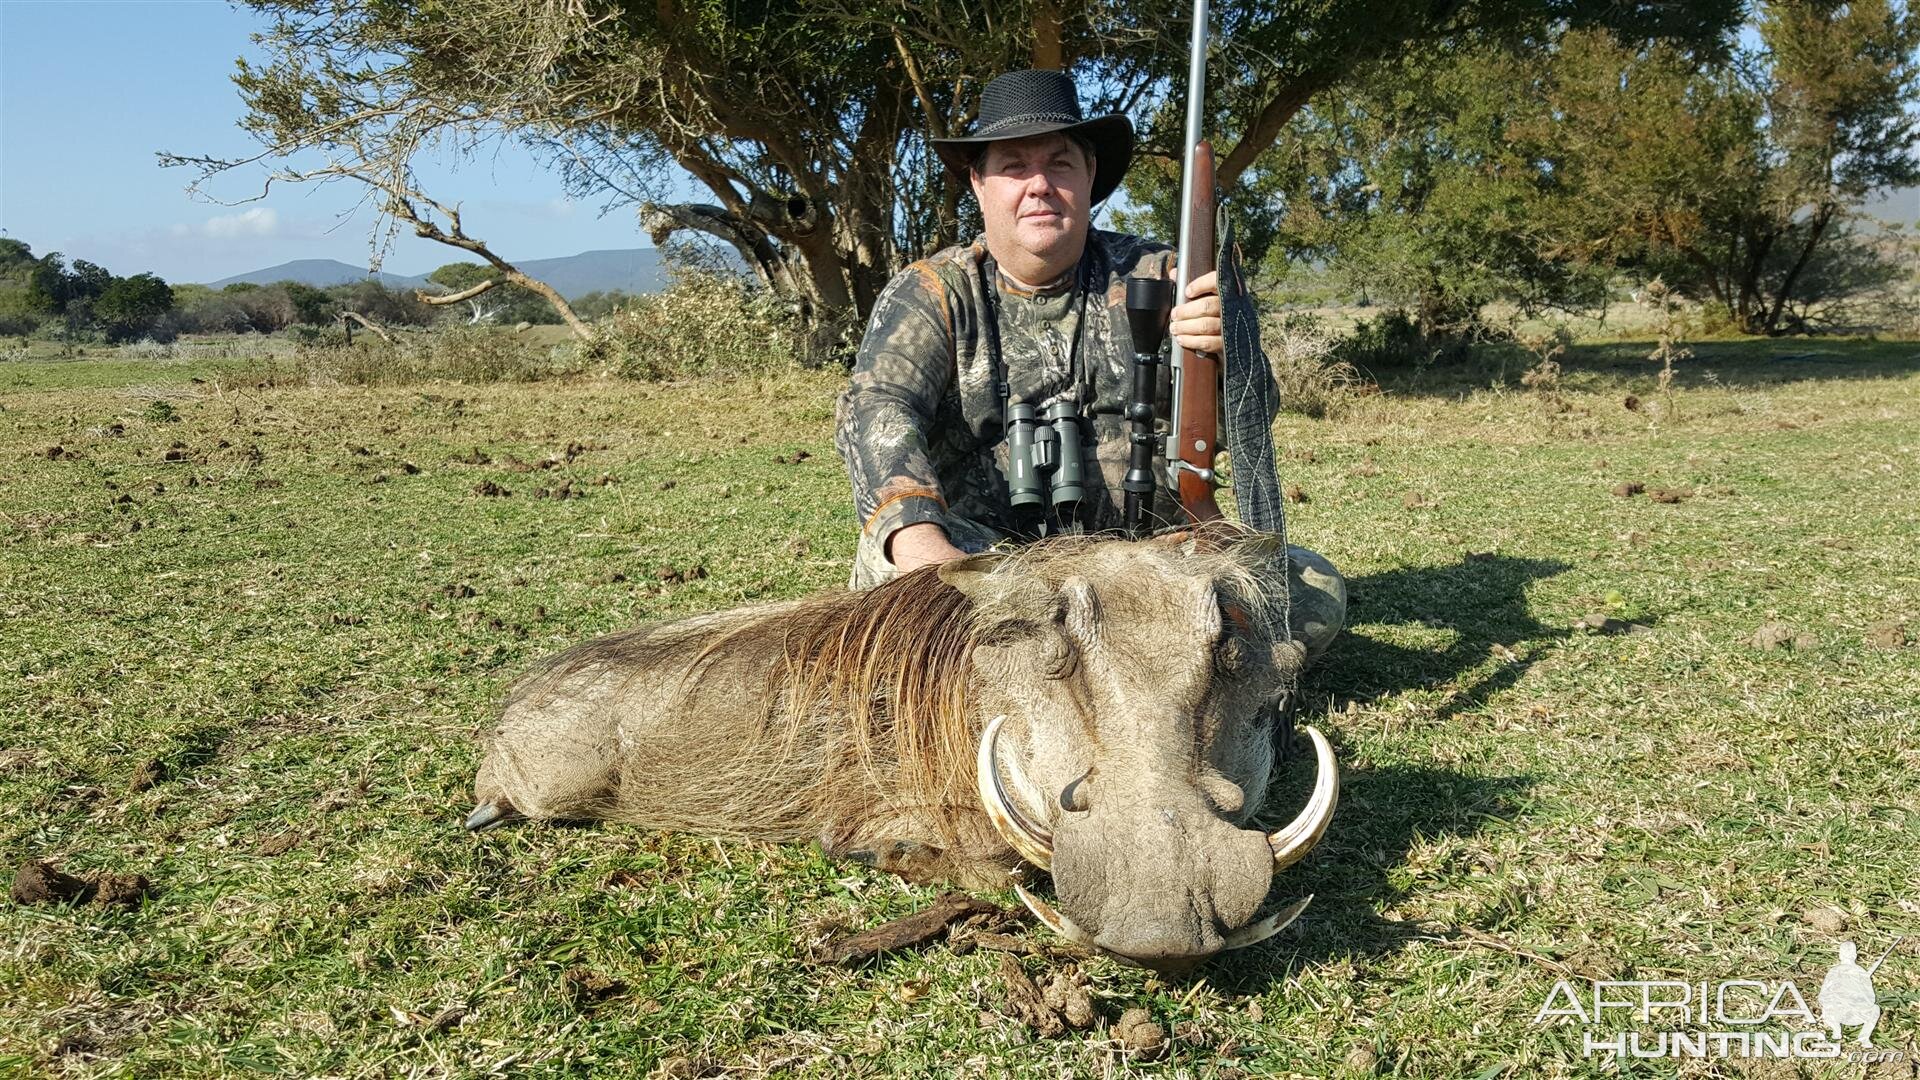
{"x":439,"y":299}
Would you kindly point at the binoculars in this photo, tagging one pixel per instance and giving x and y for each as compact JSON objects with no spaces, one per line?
{"x":1044,"y":463}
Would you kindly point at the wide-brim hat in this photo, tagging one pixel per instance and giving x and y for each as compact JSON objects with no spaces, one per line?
{"x":1024,"y":103}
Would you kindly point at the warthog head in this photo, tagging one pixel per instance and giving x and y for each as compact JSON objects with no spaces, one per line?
{"x":1130,"y":742}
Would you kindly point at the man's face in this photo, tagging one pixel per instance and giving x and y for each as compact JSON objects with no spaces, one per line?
{"x":1035,"y":197}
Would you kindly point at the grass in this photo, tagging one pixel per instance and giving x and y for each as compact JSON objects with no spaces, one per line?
{"x":255,"y":673}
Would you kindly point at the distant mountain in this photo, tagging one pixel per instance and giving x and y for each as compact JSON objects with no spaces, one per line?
{"x":319,"y":273}
{"x":631,"y":270}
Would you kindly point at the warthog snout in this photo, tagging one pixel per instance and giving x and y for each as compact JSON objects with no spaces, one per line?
{"x":1155,"y":875}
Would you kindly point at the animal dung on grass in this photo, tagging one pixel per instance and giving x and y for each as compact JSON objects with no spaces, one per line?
{"x":40,"y":882}
{"x":1774,"y":636}
{"x":1891,"y":634}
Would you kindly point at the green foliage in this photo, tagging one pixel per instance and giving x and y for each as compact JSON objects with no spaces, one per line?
{"x":1395,"y":339}
{"x":131,"y":308}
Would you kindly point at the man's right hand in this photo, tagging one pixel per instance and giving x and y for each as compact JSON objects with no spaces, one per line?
{"x":920,"y":545}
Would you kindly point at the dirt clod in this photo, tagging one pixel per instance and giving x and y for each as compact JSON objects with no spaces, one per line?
{"x":1413,"y":500}
{"x":147,"y":774}
{"x":1629,"y":489}
{"x":459,"y":590}
{"x":585,"y":985}
{"x":1664,"y":495}
{"x":1631,"y":404}
{"x":1066,"y":994}
{"x":1826,"y":920}
{"x":1772,"y":636}
{"x":1887,"y":635}
{"x":1602,"y":623}
{"x":1362,"y":1059}
{"x":121,"y":890}
{"x":1025,"y":1002}
{"x":277,"y":845}
{"x":42,"y":883}
{"x":1144,"y":1039}
{"x":1296,"y":493}
{"x":491,"y":490}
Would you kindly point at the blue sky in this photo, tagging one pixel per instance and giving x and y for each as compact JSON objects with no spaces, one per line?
{"x":90,"y":89}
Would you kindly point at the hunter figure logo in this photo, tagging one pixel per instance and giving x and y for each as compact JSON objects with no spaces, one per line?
{"x":1846,"y":995}
{"x":1736,"y":1017}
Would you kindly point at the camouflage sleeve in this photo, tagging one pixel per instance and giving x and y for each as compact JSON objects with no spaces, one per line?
{"x":904,"y":368}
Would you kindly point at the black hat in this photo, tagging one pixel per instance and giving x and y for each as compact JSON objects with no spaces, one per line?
{"x":1023,"y":103}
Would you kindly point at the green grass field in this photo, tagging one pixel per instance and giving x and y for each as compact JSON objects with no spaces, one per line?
{"x":248,"y":637}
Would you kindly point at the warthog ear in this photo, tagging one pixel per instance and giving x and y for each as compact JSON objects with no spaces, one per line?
{"x":969,"y":574}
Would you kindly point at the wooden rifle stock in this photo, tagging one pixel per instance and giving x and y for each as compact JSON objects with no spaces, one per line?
{"x":1196,"y":421}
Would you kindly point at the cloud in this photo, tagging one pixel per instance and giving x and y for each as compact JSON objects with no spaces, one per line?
{"x":256,"y":221}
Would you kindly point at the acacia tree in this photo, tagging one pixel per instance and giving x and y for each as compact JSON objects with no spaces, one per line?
{"x":803,"y":120}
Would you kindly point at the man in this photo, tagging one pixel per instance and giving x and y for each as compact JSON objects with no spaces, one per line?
{"x":1031,"y":313}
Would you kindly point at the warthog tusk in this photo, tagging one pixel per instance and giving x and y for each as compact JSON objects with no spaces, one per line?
{"x":1256,"y":933}
{"x":1033,"y":843}
{"x":1055,"y":921}
{"x":1292,"y":843}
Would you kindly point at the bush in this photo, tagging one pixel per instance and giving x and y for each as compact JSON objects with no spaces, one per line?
{"x":703,"y":324}
{"x":1313,"y":381}
{"x":1393,"y":339}
{"x":461,"y":354}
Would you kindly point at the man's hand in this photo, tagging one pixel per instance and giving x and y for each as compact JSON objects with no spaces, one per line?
{"x":918,"y":545}
{"x":1195,"y":325}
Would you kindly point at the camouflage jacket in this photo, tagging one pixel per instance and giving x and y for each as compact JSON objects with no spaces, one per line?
{"x":920,"y":424}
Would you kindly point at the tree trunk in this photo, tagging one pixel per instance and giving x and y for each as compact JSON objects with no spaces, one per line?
{"x":1048,"y":49}
{"x":1820,"y":221}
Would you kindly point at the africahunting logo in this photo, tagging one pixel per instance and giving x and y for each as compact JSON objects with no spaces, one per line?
{"x":1727,"y":1018}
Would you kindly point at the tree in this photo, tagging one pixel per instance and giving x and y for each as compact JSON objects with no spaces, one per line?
{"x":1443,"y":178}
{"x":803,"y":119}
{"x":1734,"y":184}
{"x":128,"y":308}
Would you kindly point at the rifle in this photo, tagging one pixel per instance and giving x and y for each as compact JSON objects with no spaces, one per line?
{"x":1193,"y":435}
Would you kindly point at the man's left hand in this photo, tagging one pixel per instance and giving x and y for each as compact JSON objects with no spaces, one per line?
{"x":1195,"y":325}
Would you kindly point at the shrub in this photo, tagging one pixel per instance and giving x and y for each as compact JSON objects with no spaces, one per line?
{"x":702,"y":324}
{"x":457,"y":353}
{"x":1393,"y":339}
{"x":1312,"y":380}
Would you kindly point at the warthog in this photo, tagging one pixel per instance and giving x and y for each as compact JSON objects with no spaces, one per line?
{"x":1098,"y":708}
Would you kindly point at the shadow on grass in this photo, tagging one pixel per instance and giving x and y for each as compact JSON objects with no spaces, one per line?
{"x":1739,"y":363}
{"x":1481,"y":599}
{"x":1352,"y":874}
{"x":1385,"y":810}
